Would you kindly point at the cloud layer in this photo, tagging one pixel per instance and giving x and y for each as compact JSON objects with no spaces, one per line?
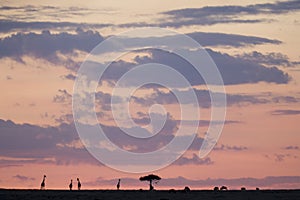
{"x":61,"y":145}
{"x":210,"y":15}
{"x":285,"y":112}
{"x":232,"y":69}
{"x":47,"y":45}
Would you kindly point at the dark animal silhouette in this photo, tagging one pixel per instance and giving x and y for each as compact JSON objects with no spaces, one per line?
{"x":216,"y":188}
{"x":78,"y":184}
{"x":223,"y":188}
{"x":150,"y":178}
{"x":43,"y":184}
{"x":118,"y":184}
{"x":243,"y":188}
{"x":257,"y":188}
{"x":172,"y":191}
{"x":71,"y":185}
{"x":186,"y":189}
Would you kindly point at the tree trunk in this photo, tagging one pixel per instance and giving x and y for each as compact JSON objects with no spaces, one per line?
{"x":151,"y":187}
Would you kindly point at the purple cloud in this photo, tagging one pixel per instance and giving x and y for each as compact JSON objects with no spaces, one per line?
{"x":287,"y":112}
{"x":23,"y":178}
{"x":61,"y":145}
{"x":46,"y":45}
{"x":30,"y":12}
{"x":203,"y":96}
{"x":195,"y":160}
{"x":281,"y":157}
{"x":270,"y":59}
{"x":230,"y":148}
{"x":63,"y":97}
{"x":233,"y":70}
{"x":222,"y":39}
{"x":70,"y":77}
{"x":291,"y":148}
{"x":211,"y":15}
{"x":52,"y":145}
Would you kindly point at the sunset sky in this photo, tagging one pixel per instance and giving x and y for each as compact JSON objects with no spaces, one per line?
{"x":254,"y":44}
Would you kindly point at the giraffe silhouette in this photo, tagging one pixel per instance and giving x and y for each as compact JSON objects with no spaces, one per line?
{"x":71,"y":185}
{"x":118,"y":185}
{"x":43,"y":184}
{"x":78,"y":184}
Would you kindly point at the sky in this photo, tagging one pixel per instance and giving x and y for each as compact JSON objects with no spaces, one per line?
{"x":254,"y":45}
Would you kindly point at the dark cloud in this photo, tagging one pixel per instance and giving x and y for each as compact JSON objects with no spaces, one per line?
{"x":285,"y":99}
{"x":286,"y":112}
{"x":291,"y":148}
{"x":63,"y":97}
{"x":145,"y":119}
{"x":171,"y":22}
{"x":70,"y":77}
{"x":233,"y":70}
{"x":276,"y":59}
{"x":281,"y":157}
{"x":198,"y":142}
{"x":211,"y":20}
{"x":16,"y":18}
{"x":203,"y":97}
{"x":16,"y":26}
{"x":222,"y":39}
{"x":210,"y":15}
{"x":243,"y":99}
{"x":61,"y":144}
{"x":23,"y":178}
{"x":51,"y":145}
{"x":230,"y":148}
{"x":195,"y":160}
{"x":158,"y":96}
{"x":102,"y":101}
{"x":138,"y":145}
{"x":263,"y":98}
{"x":236,"y":71}
{"x":47,"y":45}
{"x":10,"y":8}
{"x":65,"y":118}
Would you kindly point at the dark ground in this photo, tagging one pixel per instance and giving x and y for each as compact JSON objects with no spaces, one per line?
{"x":150,"y":195}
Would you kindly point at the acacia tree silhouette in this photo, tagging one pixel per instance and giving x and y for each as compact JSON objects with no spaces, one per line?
{"x":150,"y":178}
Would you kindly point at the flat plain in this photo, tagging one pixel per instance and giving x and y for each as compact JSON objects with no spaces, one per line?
{"x":147,"y":195}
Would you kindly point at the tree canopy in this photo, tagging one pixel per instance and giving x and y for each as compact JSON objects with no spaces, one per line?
{"x":150,"y":177}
